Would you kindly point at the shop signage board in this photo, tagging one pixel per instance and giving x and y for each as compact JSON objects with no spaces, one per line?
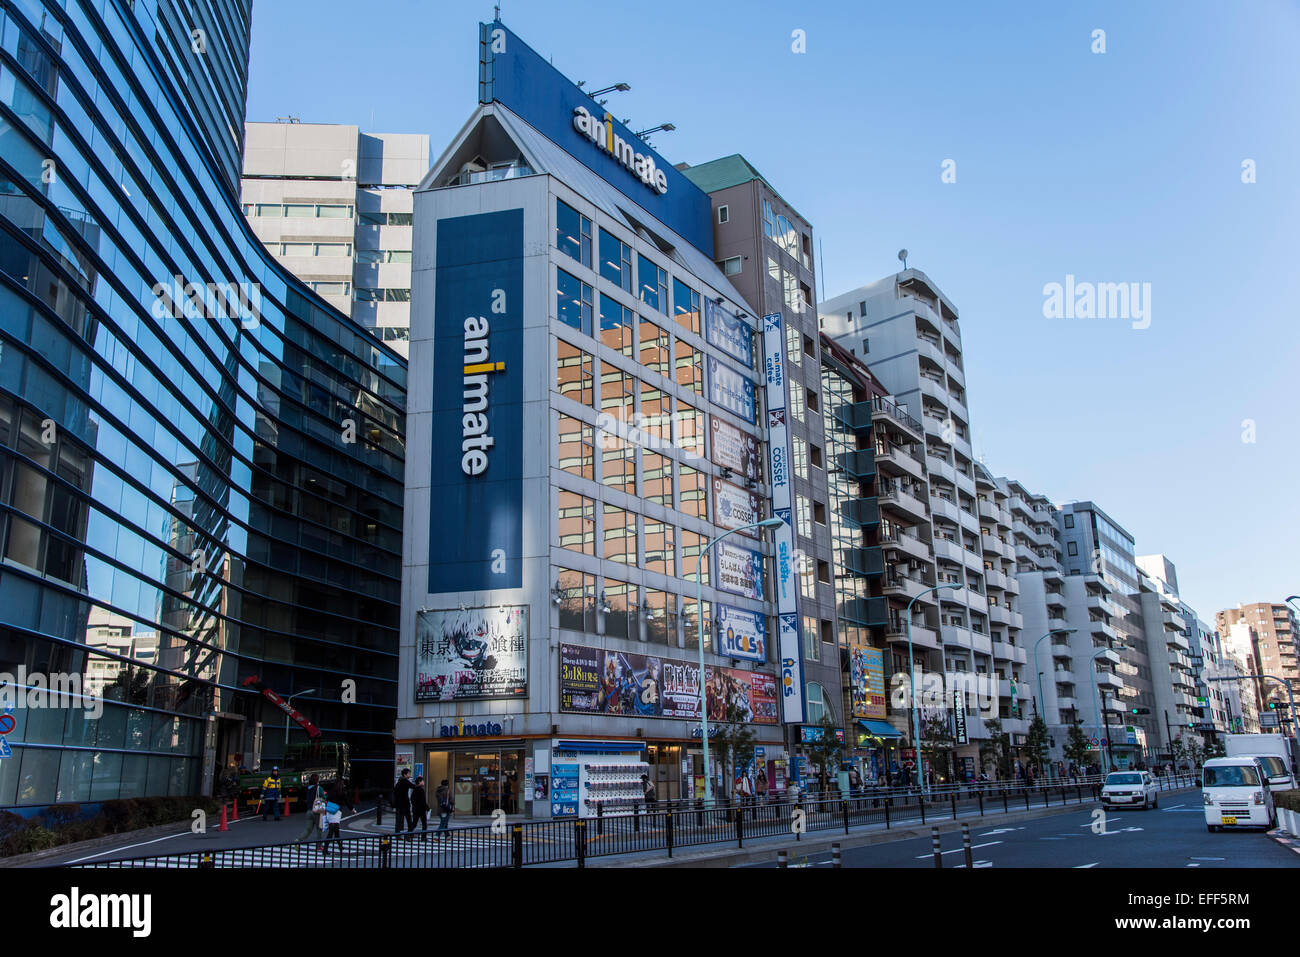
{"x":740,"y":633}
{"x":739,"y":570}
{"x":959,"y":717}
{"x":790,"y":643}
{"x":564,"y":790}
{"x":728,"y":332}
{"x":469,"y":655}
{"x":596,"y":681}
{"x":736,"y":507}
{"x":730,"y":390}
{"x":733,"y":449}
{"x":867,"y":681}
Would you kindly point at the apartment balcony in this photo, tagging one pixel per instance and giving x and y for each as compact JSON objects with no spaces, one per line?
{"x":1005,"y":651}
{"x":1177,"y":642}
{"x":1019,"y":507}
{"x":948,"y":549}
{"x":1016,"y":726}
{"x":1057,"y":624}
{"x":861,"y":511}
{"x":940,"y":467}
{"x":1062,"y":650}
{"x":883,"y":409}
{"x":942,"y":508}
{"x":908,"y":544}
{"x":1174,"y":621}
{"x":1100,"y":628}
{"x":988,"y":510}
{"x":1100,"y":603}
{"x":1107,"y":679}
{"x":957,"y":636}
{"x":865,"y":560}
{"x":859,"y":463}
{"x":893,"y":459}
{"x":896,"y":632}
{"x":894,"y":496}
{"x":961,"y":445}
{"x":856,"y":416}
{"x":869,"y":612}
{"x":995,"y":579}
{"x":1108,"y":654}
{"x":999,"y":614}
{"x":1055,"y":575}
{"x":934,"y":387}
{"x":902,"y":586}
{"x":929,"y":348}
{"x":1026,"y":555}
{"x":968,"y":519}
{"x":1055,"y":599}
{"x":975,"y":601}
{"x":1067,"y":702}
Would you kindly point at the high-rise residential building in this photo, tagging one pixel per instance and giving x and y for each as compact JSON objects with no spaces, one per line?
{"x":1101,"y":588}
{"x":1216,"y":701}
{"x":334,"y":205}
{"x":1167,"y":628}
{"x":1240,"y":642}
{"x":597,"y":415}
{"x":906,"y":331}
{"x":1275,"y":629}
{"x":764,"y":247}
{"x":200,"y":460}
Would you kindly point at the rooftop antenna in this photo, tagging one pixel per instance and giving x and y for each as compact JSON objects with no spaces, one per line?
{"x":902,"y":256}
{"x":496,"y":11}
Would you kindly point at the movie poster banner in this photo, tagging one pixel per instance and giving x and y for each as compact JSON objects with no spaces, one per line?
{"x":733,"y":449}
{"x":632,"y":684}
{"x":740,"y":633}
{"x":735,"y":507}
{"x":471,"y":655}
{"x":728,"y":332}
{"x":740,"y":570}
{"x":867,"y":679}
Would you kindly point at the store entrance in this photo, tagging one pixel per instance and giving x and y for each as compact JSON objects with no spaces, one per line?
{"x":481,"y":781}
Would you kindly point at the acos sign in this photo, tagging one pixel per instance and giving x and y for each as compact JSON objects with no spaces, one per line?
{"x":603,"y":136}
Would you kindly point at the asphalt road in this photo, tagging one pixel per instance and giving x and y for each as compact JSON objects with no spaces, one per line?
{"x":1171,"y":836}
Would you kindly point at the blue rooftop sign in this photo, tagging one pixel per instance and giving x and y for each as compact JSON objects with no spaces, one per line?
{"x":513,"y":74}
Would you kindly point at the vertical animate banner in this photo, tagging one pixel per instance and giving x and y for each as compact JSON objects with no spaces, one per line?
{"x":476,"y":469}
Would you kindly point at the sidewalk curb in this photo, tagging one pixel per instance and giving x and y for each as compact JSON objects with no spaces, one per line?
{"x":106,"y":842}
{"x":730,"y":857}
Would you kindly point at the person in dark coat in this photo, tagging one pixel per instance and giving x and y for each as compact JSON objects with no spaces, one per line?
{"x":419,"y":807}
{"x":402,"y":802}
{"x":443,"y":798}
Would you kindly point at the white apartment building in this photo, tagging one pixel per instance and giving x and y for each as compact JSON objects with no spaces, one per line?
{"x":1239,"y":645}
{"x":334,"y":205}
{"x":1168,"y":631}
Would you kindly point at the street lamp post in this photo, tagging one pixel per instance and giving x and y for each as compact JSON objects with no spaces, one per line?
{"x":699,"y":620}
{"x":1054,"y":631}
{"x":1285,"y":681}
{"x":1099,"y":700}
{"x":911,"y":673}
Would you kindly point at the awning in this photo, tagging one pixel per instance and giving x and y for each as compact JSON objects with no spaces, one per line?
{"x":879,"y":729}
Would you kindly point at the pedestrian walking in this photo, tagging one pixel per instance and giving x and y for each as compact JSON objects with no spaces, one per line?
{"x":271,"y":789}
{"x":315,"y":801}
{"x":760,"y":786}
{"x":443,"y":797}
{"x":335,"y":800}
{"x":420,"y":807}
{"x":402,"y":801}
{"x":648,"y":790}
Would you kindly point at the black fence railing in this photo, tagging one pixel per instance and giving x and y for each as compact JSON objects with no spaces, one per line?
{"x":667,"y":827}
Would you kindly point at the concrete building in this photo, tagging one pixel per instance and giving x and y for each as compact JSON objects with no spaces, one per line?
{"x":334,"y":205}
{"x":1240,"y":643}
{"x":1274,"y":627}
{"x":906,"y":331}
{"x":764,"y":247}
{"x":599,"y":418}
{"x":1168,"y":628}
{"x":1101,"y":589}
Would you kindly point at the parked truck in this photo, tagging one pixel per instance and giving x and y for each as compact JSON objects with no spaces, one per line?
{"x":1270,"y":746}
{"x":330,"y":760}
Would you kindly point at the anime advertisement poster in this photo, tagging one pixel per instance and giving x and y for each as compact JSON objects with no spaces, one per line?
{"x":867,"y":680}
{"x":471,"y":655}
{"x":593,"y":681}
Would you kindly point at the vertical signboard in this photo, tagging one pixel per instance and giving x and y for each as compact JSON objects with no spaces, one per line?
{"x":867,"y":680}
{"x":730,"y":390}
{"x":728,"y":332}
{"x":476,"y":469}
{"x":789,"y":644}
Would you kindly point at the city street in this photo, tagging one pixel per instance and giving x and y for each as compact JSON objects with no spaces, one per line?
{"x":1172,"y":836}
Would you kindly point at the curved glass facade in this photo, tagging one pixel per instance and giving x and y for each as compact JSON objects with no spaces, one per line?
{"x":201,"y":463}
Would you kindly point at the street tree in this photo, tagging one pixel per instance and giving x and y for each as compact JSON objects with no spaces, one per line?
{"x":937,"y":743}
{"x":1036,"y":743}
{"x":1077,"y":748}
{"x":734,"y":743}
{"x":995,"y":750}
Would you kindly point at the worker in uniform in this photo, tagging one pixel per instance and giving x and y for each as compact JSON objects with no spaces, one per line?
{"x":271,"y":795}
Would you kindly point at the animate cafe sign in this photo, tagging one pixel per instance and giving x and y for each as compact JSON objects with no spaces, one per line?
{"x":602,"y":134}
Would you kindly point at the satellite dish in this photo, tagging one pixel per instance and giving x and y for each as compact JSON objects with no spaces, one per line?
{"x":902,"y":257}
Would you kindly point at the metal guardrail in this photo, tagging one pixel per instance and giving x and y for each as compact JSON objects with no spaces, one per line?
{"x":666,"y":828}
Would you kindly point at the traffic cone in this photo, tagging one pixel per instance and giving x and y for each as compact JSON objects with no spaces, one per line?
{"x":223,"y":826}
{"x":235,"y":805}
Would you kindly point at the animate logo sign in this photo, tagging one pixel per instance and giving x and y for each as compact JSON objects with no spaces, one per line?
{"x":475,"y":440}
{"x":462,"y":730}
{"x":601,"y":133}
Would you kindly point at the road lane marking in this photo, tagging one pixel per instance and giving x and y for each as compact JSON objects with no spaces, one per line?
{"x":958,"y":850}
{"x":1084,"y":866}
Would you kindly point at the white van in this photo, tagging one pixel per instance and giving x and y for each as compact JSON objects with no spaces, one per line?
{"x":1279,"y":775}
{"x":1236,"y":793}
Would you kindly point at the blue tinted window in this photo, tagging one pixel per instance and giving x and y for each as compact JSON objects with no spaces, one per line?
{"x":616,"y":260}
{"x":654,"y":284}
{"x":573,"y":301}
{"x":572,"y":233}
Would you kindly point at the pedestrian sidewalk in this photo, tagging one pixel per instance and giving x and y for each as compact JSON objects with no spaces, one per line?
{"x":365,"y":823}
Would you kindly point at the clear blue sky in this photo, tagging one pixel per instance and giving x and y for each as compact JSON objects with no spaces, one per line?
{"x":1115,"y":167}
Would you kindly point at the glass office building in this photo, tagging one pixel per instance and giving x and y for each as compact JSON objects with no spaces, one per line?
{"x":201,"y":462}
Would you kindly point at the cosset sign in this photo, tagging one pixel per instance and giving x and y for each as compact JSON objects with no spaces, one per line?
{"x":601,"y":133}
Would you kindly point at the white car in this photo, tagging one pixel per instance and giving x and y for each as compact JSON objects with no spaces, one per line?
{"x":1235,"y":793}
{"x":1129,"y":789}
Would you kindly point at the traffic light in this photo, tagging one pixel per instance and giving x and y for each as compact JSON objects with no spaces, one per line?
{"x":1272,"y":706}
{"x":1140,"y":710}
